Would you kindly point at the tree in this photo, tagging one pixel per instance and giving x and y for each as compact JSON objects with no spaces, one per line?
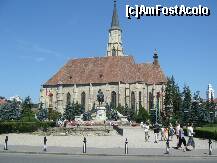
{"x":78,"y":109}
{"x":42,"y":113}
{"x":114,"y":114}
{"x":168,"y":101}
{"x":186,"y":105}
{"x":196,"y":115}
{"x":87,"y":116}
{"x":131,"y":114}
{"x":69,"y":113}
{"x":73,"y":110}
{"x":27,"y":109}
{"x":108,"y":111}
{"x":142,"y":116}
{"x":10,"y":111}
{"x":209,"y":109}
{"x":177,"y":101}
{"x":212,"y":103}
{"x":122,"y":110}
{"x":54,"y":115}
{"x":111,"y":112}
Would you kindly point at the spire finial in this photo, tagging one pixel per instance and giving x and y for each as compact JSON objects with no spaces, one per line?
{"x":155,"y":51}
{"x":115,"y":21}
{"x":155,"y":54}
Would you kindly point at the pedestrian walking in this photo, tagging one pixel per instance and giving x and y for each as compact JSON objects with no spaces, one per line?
{"x":162,"y":133}
{"x":45,"y":144}
{"x":182,"y":139}
{"x":165,"y":134}
{"x":141,"y":125}
{"x":6,"y":143}
{"x":171,"y":132}
{"x":177,"y":129}
{"x":190,"y":132}
{"x":146,"y":130}
{"x":156,"y":132}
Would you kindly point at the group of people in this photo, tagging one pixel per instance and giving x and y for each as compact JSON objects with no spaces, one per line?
{"x":167,"y":134}
{"x":181,"y":137}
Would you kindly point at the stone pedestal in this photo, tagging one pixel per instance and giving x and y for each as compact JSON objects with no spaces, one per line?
{"x":101,"y":113}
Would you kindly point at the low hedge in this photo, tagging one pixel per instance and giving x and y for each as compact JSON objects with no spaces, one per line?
{"x":23,"y":127}
{"x":205,"y":132}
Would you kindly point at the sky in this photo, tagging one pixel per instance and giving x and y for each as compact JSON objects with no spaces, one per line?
{"x":37,"y":37}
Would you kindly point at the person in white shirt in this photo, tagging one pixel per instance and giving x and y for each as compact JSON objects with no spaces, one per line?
{"x":177,"y":130}
{"x":146,"y":130}
{"x":141,"y":125}
{"x":190,"y":132}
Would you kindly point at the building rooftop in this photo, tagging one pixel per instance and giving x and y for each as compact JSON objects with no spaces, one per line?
{"x":107,"y":70}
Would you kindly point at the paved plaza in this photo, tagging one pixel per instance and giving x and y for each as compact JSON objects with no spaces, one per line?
{"x":111,"y":145}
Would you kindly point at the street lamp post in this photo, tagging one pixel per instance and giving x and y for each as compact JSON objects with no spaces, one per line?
{"x":185,"y":115}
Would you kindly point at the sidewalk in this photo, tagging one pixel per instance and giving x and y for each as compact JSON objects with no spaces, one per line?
{"x":108,"y":151}
{"x":102,"y":145}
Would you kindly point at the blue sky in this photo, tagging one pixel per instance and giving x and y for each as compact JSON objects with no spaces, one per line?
{"x":37,"y":37}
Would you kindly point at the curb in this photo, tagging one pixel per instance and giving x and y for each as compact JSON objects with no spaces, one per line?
{"x":108,"y":155}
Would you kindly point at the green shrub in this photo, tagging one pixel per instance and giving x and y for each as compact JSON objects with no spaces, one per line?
{"x":206,"y":132}
{"x":54,"y":115}
{"x":23,"y":127}
{"x":28,"y":117}
{"x":142,"y":116}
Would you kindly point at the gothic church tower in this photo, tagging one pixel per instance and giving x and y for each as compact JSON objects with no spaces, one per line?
{"x":114,"y":47}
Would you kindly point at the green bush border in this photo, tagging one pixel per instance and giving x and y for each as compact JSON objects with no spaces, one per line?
{"x":205,"y":132}
{"x":23,"y":127}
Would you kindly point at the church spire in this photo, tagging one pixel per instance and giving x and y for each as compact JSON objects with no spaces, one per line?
{"x":114,"y":47}
{"x":115,"y":21}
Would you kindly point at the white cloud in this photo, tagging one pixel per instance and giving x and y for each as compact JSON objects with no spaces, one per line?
{"x":36,"y":48}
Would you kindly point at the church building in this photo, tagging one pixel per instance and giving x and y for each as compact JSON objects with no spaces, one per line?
{"x":121,"y":80}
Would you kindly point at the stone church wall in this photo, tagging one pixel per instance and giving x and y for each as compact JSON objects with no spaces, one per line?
{"x":123,"y":92}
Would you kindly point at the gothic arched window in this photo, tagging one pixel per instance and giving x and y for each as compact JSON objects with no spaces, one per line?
{"x":113,"y":99}
{"x":151,"y":101}
{"x":158,"y":101}
{"x":83,"y":97}
{"x":68,"y":98}
{"x":50,"y":99}
{"x":133,"y":101}
{"x":140,"y":99}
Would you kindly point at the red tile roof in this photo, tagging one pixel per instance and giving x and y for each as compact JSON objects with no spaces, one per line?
{"x":106,"y":70}
{"x":2,"y":101}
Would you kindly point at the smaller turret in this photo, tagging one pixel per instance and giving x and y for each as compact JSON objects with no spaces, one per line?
{"x":156,"y":58}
